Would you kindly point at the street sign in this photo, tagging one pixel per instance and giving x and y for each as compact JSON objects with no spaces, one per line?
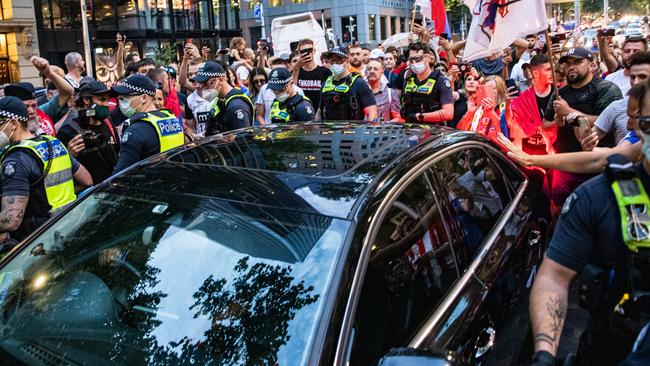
{"x":257,"y":11}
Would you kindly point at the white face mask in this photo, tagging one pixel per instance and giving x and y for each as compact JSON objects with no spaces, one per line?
{"x":126,"y":109}
{"x":418,"y":67}
{"x":209,"y":94}
{"x":282,"y":97}
{"x":337,"y":70}
{"x":4,"y":139}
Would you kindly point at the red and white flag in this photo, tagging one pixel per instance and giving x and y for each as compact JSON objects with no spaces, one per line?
{"x":497,"y":23}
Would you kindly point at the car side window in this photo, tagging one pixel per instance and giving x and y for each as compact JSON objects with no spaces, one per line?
{"x":411,"y":268}
{"x":478,"y":192}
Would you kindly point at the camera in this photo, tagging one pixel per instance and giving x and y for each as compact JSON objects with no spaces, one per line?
{"x":92,"y":139}
{"x":558,"y":38}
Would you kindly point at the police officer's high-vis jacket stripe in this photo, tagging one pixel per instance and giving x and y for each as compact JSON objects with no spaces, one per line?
{"x":280,"y":115}
{"x":168,"y":128}
{"x":59,"y":186}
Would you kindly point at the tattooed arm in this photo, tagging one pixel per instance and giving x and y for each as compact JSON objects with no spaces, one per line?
{"x":11,"y":216}
{"x":548,"y":304}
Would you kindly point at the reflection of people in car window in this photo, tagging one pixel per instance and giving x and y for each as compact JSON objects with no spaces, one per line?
{"x":463,"y":202}
{"x":473,"y":180}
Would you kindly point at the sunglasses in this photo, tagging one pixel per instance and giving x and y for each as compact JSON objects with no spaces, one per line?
{"x":416,"y":58}
{"x":259,"y":81}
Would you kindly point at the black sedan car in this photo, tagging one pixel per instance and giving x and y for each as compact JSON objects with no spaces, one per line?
{"x":315,"y":244}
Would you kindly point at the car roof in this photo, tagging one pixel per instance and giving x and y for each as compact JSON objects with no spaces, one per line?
{"x":321,"y":168}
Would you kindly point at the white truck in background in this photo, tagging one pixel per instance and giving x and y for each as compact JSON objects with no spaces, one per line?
{"x":287,"y":31}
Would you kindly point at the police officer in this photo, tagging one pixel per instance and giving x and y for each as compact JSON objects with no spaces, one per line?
{"x":603,"y":237}
{"x":230,"y":108}
{"x":426,"y":95}
{"x":37,"y":174}
{"x":149,"y":131}
{"x":345,"y":95}
{"x":288,"y":106}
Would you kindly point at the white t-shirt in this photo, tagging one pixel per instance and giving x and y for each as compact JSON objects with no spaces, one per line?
{"x":200,"y":110}
{"x":266,"y":98}
{"x":622,"y":81}
{"x":242,"y":73}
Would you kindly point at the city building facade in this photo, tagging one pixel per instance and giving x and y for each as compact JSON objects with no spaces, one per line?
{"x":374,"y":20}
{"x":18,"y":41}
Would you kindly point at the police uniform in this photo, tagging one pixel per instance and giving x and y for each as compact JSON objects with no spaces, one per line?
{"x":425,"y":96}
{"x":296,"y":108}
{"x":232,"y":112}
{"x":148,"y":133}
{"x":39,"y":168}
{"x":590,"y":239}
{"x":338,"y":101}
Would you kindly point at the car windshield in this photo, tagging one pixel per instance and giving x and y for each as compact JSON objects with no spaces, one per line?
{"x":135,"y":277}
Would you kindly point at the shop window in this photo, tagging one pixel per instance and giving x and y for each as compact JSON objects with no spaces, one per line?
{"x":371,"y":27}
{"x":275,"y":3}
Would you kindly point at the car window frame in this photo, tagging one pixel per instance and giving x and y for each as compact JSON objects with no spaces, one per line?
{"x":343,"y":348}
{"x":344,"y":343}
{"x":423,"y":335}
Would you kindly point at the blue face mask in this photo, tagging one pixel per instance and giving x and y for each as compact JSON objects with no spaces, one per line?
{"x":126,"y":109}
{"x":337,"y":70}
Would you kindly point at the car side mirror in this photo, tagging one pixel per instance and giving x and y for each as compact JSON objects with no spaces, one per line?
{"x":415,"y":357}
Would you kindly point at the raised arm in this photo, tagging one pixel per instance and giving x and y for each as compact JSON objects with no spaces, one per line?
{"x":65,"y":89}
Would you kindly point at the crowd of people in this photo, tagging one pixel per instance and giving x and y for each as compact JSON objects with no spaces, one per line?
{"x":566,"y":113}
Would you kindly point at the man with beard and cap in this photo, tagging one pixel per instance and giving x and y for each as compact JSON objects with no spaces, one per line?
{"x":289,"y":106}
{"x":41,"y":118}
{"x":38,"y":174}
{"x":345,"y":95}
{"x":230,"y":108}
{"x":583,"y":96}
{"x":621,"y":77}
{"x":603,"y":242}
{"x":149,"y":131}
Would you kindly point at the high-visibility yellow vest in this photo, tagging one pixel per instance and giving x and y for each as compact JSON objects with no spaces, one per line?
{"x":284,"y":115}
{"x":59,"y":187}
{"x":168,"y":128}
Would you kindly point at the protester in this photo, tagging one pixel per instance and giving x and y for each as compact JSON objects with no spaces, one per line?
{"x":356,"y":58}
{"x":585,"y":97}
{"x":145,"y":65}
{"x":468,"y":90}
{"x":426,"y":94}
{"x":35,"y":183}
{"x":288,"y":106}
{"x":170,"y":97}
{"x":256,"y":80}
{"x":76,"y":66}
{"x":307,"y":74}
{"x":621,"y":77}
{"x":487,"y":116}
{"x":244,"y":66}
{"x":387,"y":100}
{"x":389,"y":64}
{"x":345,"y":95}
{"x":613,"y":121}
{"x":89,"y":136}
{"x":237,"y":47}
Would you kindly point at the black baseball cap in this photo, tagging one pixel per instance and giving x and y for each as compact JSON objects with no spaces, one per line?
{"x":136,"y":84}
{"x":579,"y":53}
{"x":279,"y":78}
{"x":92,"y":87}
{"x":13,"y":108}
{"x":22,"y":91}
{"x":210,"y":70}
{"x":340,"y":51}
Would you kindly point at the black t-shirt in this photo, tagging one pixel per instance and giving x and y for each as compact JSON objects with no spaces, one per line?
{"x":535,"y":144}
{"x":139,"y":141}
{"x":311,"y":81}
{"x":99,"y":160}
{"x":591,"y":99}
{"x":460,"y":109}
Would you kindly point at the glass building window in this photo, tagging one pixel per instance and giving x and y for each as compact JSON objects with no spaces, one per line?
{"x":402,"y":24}
{"x":394,"y":25}
{"x":297,"y":1}
{"x":275,"y":3}
{"x":383,"y":27}
{"x":371,"y":27}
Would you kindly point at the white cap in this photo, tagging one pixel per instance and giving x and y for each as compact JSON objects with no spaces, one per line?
{"x":377,"y":53}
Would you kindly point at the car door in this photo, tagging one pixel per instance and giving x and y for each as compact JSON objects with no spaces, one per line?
{"x":485,"y":204}
{"x":410,"y":268}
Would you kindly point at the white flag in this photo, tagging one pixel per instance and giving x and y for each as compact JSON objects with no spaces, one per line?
{"x":497,"y":23}
{"x":425,"y":8}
